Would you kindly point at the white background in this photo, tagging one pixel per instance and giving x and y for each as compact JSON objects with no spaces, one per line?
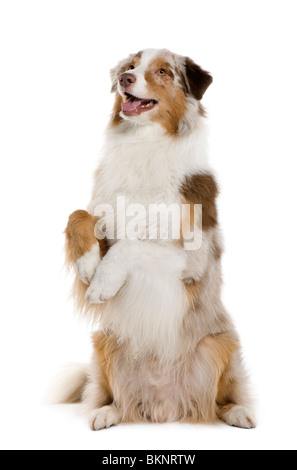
{"x":55,"y":57}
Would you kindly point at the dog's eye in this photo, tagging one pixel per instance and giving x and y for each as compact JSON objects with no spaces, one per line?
{"x":131,"y":67}
{"x":162,"y":72}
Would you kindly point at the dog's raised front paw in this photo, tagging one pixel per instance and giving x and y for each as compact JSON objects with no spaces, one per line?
{"x":105,"y":284}
{"x":94,"y":294}
{"x":86,"y":265}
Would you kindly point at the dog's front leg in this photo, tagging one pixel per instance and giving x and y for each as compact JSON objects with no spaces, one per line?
{"x":111,"y":274}
{"x":83,"y":249}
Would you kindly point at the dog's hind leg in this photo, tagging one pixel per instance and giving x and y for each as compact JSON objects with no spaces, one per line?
{"x":98,"y":397}
{"x":233,"y":400}
{"x":223,"y":390}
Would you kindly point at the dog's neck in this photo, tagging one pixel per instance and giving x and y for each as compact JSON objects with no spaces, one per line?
{"x":150,"y":141}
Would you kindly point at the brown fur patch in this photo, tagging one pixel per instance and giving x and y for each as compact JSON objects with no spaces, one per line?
{"x":213,"y":355}
{"x":137,"y":59}
{"x":224,"y":409}
{"x":198,"y":79}
{"x":202,"y":189}
{"x":225,"y":393}
{"x":116,"y":118}
{"x":182,"y":80}
{"x":220,"y":349}
{"x":172,"y":105}
{"x":104,"y":347}
{"x":185,"y":88}
{"x":227,"y":390}
{"x":80,"y":234}
{"x":104,"y":247}
{"x":161,"y":63}
{"x":80,"y":238}
{"x":228,"y":385}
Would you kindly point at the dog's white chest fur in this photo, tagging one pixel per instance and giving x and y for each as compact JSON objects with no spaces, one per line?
{"x":146,"y":167}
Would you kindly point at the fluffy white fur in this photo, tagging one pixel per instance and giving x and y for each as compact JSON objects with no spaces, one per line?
{"x":153,"y":319}
{"x":68,"y":385}
{"x":150,"y":321}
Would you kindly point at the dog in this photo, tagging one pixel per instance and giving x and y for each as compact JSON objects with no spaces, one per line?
{"x":165,"y":348}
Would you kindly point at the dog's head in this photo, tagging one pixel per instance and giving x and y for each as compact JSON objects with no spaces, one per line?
{"x":157,"y":86}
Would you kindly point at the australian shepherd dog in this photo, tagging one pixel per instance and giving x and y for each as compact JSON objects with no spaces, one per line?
{"x":147,"y":257}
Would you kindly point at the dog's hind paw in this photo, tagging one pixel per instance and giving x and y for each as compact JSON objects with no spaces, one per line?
{"x":104,"y":418}
{"x":240,"y":417}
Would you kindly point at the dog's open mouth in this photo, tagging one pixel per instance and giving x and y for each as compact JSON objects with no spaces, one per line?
{"x":133,"y":106}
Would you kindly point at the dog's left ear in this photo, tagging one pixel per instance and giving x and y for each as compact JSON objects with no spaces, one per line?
{"x":197,"y":78}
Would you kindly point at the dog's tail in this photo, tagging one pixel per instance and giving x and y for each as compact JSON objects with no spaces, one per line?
{"x":68,"y":386}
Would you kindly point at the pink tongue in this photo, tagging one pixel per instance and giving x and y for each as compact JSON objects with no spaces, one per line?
{"x":131,"y":105}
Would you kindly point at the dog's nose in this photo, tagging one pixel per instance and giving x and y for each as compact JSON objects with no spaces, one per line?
{"x":127,"y":79}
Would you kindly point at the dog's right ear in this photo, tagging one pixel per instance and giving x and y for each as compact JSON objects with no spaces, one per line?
{"x":118,"y":70}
